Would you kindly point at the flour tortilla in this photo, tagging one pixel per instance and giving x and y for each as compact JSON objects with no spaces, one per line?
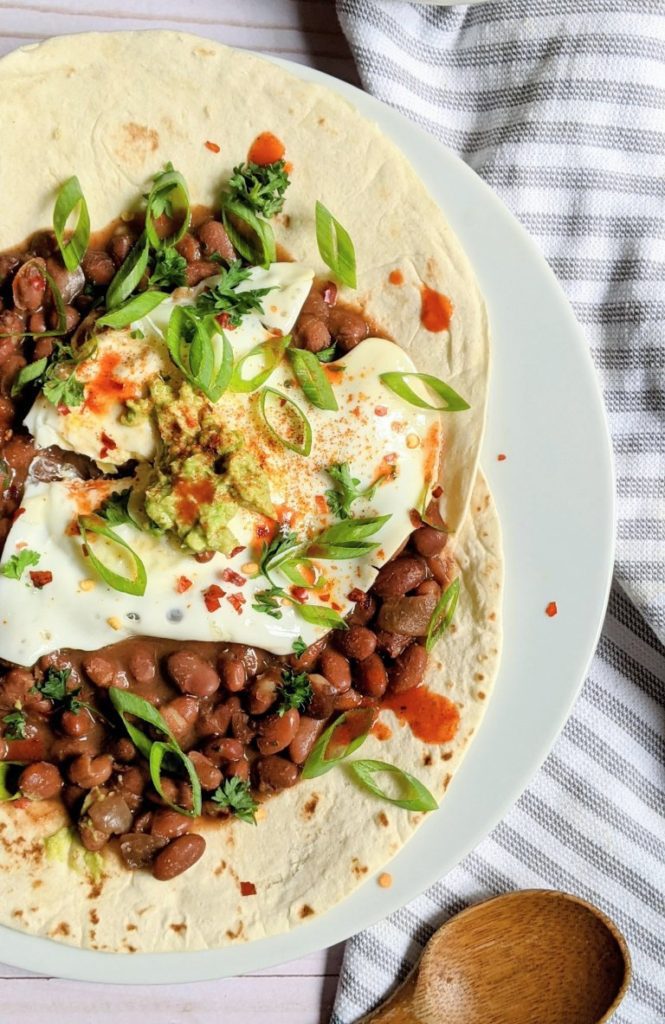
{"x":114,"y":108}
{"x":313,"y":845}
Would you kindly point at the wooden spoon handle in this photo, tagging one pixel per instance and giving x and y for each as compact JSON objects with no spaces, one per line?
{"x":399,"y":1008}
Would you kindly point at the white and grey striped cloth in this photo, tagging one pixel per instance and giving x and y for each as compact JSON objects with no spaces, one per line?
{"x":560,"y":106}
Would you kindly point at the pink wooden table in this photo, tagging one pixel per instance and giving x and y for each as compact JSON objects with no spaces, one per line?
{"x":300,"y":992}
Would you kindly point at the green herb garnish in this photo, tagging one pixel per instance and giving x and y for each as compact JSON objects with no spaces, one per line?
{"x":267,"y":601}
{"x":128,"y":276}
{"x":295,"y":413}
{"x":15,"y":725}
{"x":346,"y":490}
{"x":135,"y":585}
{"x":168,"y":196}
{"x":298,"y":647}
{"x":317,"y":763}
{"x":282,"y":546}
{"x":295,"y":691}
{"x":15,"y":566}
{"x":335,"y":246}
{"x":135,"y":308}
{"x":249,"y":234}
{"x":53,"y":687}
{"x":59,"y":389}
{"x":169,"y":270}
{"x":311,"y":378}
{"x":28,"y":374}
{"x":114,"y":509}
{"x":193,"y":345}
{"x":443,"y":614}
{"x":260,"y":186}
{"x":270,"y":353}
{"x":235,"y":794}
{"x":347,"y":539}
{"x":224,"y":297}
{"x":417,"y":797}
{"x":397,"y":382}
{"x":70,"y":198}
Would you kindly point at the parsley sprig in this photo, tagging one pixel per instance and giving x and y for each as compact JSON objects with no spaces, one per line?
{"x":224,"y":297}
{"x":235,"y":794}
{"x":15,"y":566}
{"x":54,"y":687}
{"x":295,"y":691}
{"x":169,"y":269}
{"x":114,"y":509}
{"x":346,"y":490}
{"x":15,"y":724}
{"x":260,"y":186}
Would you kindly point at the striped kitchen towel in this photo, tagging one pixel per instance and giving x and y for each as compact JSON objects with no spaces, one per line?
{"x":560,"y":106}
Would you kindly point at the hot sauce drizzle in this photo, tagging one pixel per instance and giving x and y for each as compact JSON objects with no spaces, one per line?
{"x":266,"y":149}
{"x":430,"y":716}
{"x":436,"y":310}
{"x":396,"y":277}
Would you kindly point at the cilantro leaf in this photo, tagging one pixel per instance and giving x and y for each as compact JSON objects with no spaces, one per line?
{"x":169,"y":269}
{"x":114,"y":509}
{"x":62,"y":390}
{"x":260,"y":186}
{"x":299,"y":647}
{"x":15,"y":566}
{"x":295,"y":691}
{"x":161,"y":201}
{"x":15,"y":725}
{"x":223,"y":297}
{"x":54,"y":688}
{"x":346,"y":490}
{"x":235,"y":794}
{"x":267,"y":602}
{"x":281,"y":547}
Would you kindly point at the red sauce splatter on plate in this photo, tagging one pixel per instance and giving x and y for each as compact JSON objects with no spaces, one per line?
{"x":396,"y":277}
{"x":381,"y":731}
{"x":430,"y":716}
{"x":551,"y":609}
{"x":436,"y":310}
{"x":266,"y":149}
{"x":501,"y":457}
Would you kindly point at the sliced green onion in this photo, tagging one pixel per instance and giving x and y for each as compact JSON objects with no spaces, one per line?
{"x":320,"y":616}
{"x":396,"y":382}
{"x":5,"y":793}
{"x":135,"y":308}
{"x":300,"y":449}
{"x":69,"y":198}
{"x":27,"y":374}
{"x":258,"y":245}
{"x":191,"y":344}
{"x":312,"y":379}
{"x":271,"y":351}
{"x":169,"y":187}
{"x":317,"y":763}
{"x":128,"y":276}
{"x":443,"y":614}
{"x":126,"y":703}
{"x":335,"y":246}
{"x":418,"y":797}
{"x":347,"y":539}
{"x":124,"y":584}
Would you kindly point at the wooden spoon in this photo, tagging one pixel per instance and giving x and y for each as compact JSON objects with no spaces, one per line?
{"x":531,"y":957}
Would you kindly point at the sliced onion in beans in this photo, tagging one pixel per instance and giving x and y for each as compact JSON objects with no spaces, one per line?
{"x":408,"y":615}
{"x":71,"y":198}
{"x":416,"y":796}
{"x":124,"y":584}
{"x":443,"y":614}
{"x":249,"y":235}
{"x":169,"y":186}
{"x":397,"y":382}
{"x":352,"y":730}
{"x":295,"y":413}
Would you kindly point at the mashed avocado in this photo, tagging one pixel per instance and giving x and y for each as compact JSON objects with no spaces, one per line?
{"x":202,"y":476}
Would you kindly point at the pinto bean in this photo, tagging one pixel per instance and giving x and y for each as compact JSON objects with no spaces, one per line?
{"x":100,"y":670}
{"x":427,"y":541}
{"x":94,"y":839}
{"x":168,"y":823}
{"x":430,"y":587}
{"x":275,"y":732}
{"x":192,"y":674}
{"x":122,"y":750}
{"x":222,"y":749}
{"x":234,"y":674}
{"x":347,"y":328}
{"x":322,"y":702}
{"x":274,"y":773}
{"x":80,"y":723}
{"x":306,"y":661}
{"x":241,"y":727}
{"x":98,"y":267}
{"x":237,"y":769}
{"x":137,"y":849}
{"x":197,"y":272}
{"x":189,"y":248}
{"x":441,"y":568}
{"x":119,"y":247}
{"x":215,"y":241}
{"x":313,"y":334}
{"x":110,"y":814}
{"x":180,"y":715}
{"x":87,"y":771}
{"x":263,"y":691}
{"x":178,"y":856}
{"x":37,"y":323}
{"x":356,"y":642}
{"x":64,"y":747}
{"x":216,"y":722}
{"x":209,"y":775}
{"x":364,"y":609}
{"x":72,"y":319}
{"x":14,"y":688}
{"x":398,"y":577}
{"x":347,"y":701}
{"x":8,"y":265}
{"x":371,"y":677}
{"x":29,"y":285}
{"x":409,"y":669}
{"x":409,"y":615}
{"x":40,"y":781}
{"x":142,"y":664}
{"x":309,"y":730}
{"x":335,"y":667}
{"x":68,"y":282}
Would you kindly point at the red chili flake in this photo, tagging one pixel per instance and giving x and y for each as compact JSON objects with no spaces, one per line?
{"x":356,"y":594}
{"x":324,"y":596}
{"x":229,"y":576}
{"x":64,"y":410}
{"x":223,"y":320}
{"x":437,"y":492}
{"x":212,"y":596}
{"x":551,"y":609}
{"x":236,"y":551}
{"x":237,"y":601}
{"x":247,"y":889}
{"x":337,"y":607}
{"x":381,"y":410}
{"x":108,"y":444}
{"x":300,"y":593}
{"x":330,"y":293}
{"x":212,"y":146}
{"x":321,"y":503}
{"x":501,"y":458}
{"x":17,"y":513}
{"x":183,"y":584}
{"x":262,"y":531}
{"x":41,"y":578}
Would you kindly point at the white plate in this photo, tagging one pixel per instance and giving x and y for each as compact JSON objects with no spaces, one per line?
{"x":555,"y":495}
